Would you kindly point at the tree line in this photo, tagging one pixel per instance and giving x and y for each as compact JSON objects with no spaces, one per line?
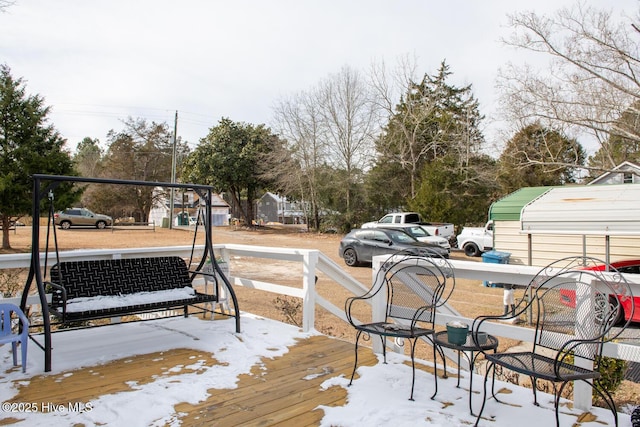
{"x":359,"y":144}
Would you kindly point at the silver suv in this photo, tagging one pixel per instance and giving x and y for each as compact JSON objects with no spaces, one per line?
{"x":81,"y":217}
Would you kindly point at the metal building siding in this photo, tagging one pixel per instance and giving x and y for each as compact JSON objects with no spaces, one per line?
{"x":559,"y":217}
{"x":547,"y":248}
{"x":595,"y":210}
{"x":508,"y":237}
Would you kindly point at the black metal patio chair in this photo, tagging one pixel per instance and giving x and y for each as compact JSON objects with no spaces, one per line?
{"x":575,"y":308}
{"x":413,"y":287}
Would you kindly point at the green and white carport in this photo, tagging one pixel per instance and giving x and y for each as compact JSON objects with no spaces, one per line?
{"x":538,"y":225}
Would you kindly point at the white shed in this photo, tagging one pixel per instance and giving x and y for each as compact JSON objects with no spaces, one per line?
{"x":600,"y":221}
{"x":219,"y":209}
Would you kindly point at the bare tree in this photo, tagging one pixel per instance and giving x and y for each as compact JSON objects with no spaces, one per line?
{"x":427,"y":118}
{"x":349,"y":121}
{"x":592,"y":73}
{"x":299,"y":121}
{"x":390,"y":86}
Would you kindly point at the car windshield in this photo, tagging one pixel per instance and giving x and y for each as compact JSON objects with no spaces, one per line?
{"x":417,"y":231}
{"x":398,"y":236}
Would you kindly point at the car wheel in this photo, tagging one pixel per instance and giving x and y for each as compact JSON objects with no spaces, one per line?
{"x":350,"y":257}
{"x":620,"y":316}
{"x":65,"y":225}
{"x":471,"y":249}
{"x":101,"y":224}
{"x":603,"y":307}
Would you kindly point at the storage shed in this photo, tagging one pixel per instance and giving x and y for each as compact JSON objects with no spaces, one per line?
{"x":538,"y":225}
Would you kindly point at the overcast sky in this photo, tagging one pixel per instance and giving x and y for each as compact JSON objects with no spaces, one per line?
{"x":98,"y":62}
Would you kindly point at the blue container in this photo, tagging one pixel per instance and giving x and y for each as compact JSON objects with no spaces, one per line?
{"x":495,"y":257}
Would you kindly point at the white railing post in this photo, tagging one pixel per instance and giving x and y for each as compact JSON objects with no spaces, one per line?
{"x":379,"y":301}
{"x":585,"y":307}
{"x":309,"y":262}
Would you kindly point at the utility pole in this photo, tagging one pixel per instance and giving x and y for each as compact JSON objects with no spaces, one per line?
{"x":173,"y":170}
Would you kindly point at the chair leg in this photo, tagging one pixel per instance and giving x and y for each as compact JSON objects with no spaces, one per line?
{"x":14,"y":350}
{"x":608,"y":399}
{"x":493,"y":385}
{"x":355,"y":362}
{"x":534,"y":387}
{"x":384,"y":349}
{"x":490,"y":366}
{"x":23,"y":348}
{"x":557,"y":401}
{"x":413,"y":366}
{"x":435,"y":370}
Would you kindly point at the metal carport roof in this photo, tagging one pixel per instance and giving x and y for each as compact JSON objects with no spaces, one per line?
{"x":603,"y":210}
{"x":509,"y":207}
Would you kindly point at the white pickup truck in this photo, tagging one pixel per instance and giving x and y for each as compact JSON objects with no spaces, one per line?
{"x":476,"y":240}
{"x":440,"y":229}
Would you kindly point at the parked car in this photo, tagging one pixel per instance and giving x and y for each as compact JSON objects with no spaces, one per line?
{"x":631,"y":266}
{"x":81,"y":217}
{"x":421,"y":234}
{"x":441,"y":229}
{"x":361,"y":245}
{"x":13,"y":224}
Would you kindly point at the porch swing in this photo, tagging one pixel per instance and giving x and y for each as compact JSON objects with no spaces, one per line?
{"x":82,"y":290}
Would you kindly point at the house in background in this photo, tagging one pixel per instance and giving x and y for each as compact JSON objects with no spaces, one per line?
{"x":220,"y":211}
{"x":624,"y":173}
{"x":188,"y":203}
{"x":274,"y":208}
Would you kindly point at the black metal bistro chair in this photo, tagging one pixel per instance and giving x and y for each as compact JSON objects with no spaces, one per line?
{"x":412,"y":287}
{"x":573,"y":307}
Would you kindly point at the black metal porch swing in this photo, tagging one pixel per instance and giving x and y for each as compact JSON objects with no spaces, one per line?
{"x":158,"y":269}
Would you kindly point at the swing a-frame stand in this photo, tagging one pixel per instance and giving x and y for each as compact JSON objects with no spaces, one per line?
{"x":78,"y":288}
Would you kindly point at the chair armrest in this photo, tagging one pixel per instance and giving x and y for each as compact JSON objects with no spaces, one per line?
{"x":478,"y":321}
{"x":348,"y":304}
{"x":23,"y":319}
{"x":425,"y":309}
{"x":207,"y":275}
{"x":568,"y":349}
{"x":203,"y":273}
{"x":63,"y":294}
{"x":522,"y":308}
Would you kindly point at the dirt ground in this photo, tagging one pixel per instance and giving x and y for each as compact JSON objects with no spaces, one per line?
{"x":470,"y":298}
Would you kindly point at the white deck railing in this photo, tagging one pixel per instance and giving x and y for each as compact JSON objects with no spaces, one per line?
{"x":313,"y":262}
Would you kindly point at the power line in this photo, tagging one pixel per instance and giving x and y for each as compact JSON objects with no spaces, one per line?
{"x":190,"y":119}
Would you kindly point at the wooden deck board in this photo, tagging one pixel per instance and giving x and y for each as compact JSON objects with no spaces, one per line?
{"x":279,"y":391}
{"x":112,"y":377}
{"x":288,"y":388}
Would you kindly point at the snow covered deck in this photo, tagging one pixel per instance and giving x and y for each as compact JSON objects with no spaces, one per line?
{"x":188,"y":371}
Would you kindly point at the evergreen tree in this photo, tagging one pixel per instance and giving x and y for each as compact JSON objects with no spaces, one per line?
{"x":231,"y":158}
{"x":448,"y":193}
{"x":28,"y":145}
{"x":433,"y":120}
{"x":538,"y":156}
{"x":88,"y":157}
